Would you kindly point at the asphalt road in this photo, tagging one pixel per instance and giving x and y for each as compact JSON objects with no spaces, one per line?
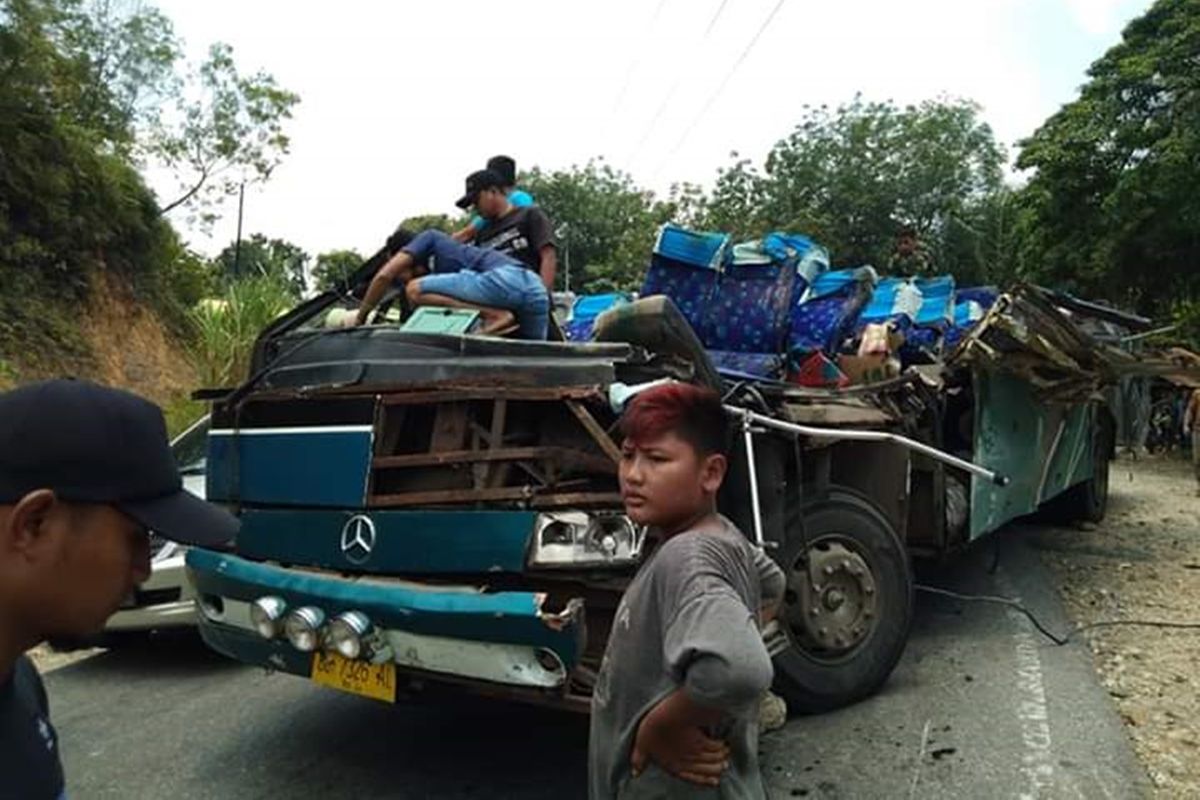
{"x":979,"y":707}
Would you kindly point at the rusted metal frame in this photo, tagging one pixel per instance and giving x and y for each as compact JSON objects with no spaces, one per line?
{"x":450,"y":423}
{"x":499,"y":421}
{"x":446,"y":457}
{"x":449,"y":394}
{"x":487,"y":437}
{"x":598,"y":433}
{"x":527,"y":494}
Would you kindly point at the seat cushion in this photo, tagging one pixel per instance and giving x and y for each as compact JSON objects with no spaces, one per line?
{"x":751,"y":365}
{"x":749,"y":310}
{"x":690,"y":288}
{"x":824,"y":315}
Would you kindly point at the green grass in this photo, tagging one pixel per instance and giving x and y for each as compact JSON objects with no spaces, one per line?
{"x":225,"y":328}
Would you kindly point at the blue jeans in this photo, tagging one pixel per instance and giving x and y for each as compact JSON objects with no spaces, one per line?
{"x":483,"y":278}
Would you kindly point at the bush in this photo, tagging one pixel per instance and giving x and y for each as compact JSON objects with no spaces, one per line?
{"x":226,"y":327}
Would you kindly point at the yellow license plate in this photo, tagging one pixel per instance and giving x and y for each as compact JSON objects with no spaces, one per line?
{"x":377,"y":681}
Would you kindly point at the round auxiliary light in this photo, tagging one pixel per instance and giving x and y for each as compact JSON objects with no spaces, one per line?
{"x":303,"y":628}
{"x":346,"y":633}
{"x":266,"y":614}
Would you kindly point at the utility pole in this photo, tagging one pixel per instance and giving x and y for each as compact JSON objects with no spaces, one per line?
{"x":562,"y":232}
{"x":237,"y":245}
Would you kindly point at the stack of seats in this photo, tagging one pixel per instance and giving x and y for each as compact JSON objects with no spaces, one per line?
{"x":737,"y":299}
{"x":824,"y":316}
{"x":744,"y":328}
{"x":894,"y":302}
{"x":584,"y":312}
{"x":936,"y":316}
{"x":685,"y":266}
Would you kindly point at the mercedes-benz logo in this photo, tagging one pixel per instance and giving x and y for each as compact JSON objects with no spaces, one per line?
{"x":358,"y":539}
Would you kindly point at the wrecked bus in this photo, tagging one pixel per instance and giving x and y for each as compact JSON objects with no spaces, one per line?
{"x":425,"y":508}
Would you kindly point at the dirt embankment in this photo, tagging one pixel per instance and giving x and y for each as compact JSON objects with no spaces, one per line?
{"x":1143,"y":562}
{"x":129,"y":347}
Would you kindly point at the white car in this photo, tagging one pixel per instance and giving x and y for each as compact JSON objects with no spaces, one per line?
{"x":166,"y":600}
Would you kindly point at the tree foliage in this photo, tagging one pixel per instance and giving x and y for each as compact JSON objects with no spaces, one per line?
{"x":334,"y":266}
{"x":604,"y":222}
{"x":260,"y":257}
{"x":91,"y":91}
{"x":1112,"y":204}
{"x":850,"y":176}
{"x":115,"y":68}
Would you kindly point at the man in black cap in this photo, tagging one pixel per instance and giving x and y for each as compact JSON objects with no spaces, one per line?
{"x":506,"y":168}
{"x":85,"y":473}
{"x":524,"y":233}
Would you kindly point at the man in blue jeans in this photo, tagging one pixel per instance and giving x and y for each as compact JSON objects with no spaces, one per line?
{"x":438,"y":271}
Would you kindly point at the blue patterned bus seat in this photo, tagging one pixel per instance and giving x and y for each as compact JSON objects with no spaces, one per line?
{"x":585,"y":311}
{"x":823,"y":316}
{"x":747,"y":365}
{"x":685,"y":266}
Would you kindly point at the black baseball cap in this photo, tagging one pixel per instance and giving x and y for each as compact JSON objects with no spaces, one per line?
{"x":476,"y":183}
{"x":92,"y":444}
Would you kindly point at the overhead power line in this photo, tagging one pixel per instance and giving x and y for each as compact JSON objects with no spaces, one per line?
{"x":634,"y":63}
{"x":637,"y":148}
{"x":724,"y":83}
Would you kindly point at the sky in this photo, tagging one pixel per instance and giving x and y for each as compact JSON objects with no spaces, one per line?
{"x":400,"y":100}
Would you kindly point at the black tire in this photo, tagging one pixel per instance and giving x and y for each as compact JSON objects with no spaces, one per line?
{"x":813,"y":681}
{"x":1088,"y":501}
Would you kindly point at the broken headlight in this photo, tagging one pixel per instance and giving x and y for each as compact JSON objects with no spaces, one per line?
{"x":579,"y":539}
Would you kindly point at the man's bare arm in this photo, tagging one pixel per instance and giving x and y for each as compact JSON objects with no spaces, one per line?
{"x":398,"y":267}
{"x":548,"y":266}
{"x":464,"y":235}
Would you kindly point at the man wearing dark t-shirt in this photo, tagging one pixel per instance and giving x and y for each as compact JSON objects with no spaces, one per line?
{"x":28,"y":745}
{"x":85,"y":472}
{"x":523,"y":233}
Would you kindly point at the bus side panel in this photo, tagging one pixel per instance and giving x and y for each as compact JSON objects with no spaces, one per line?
{"x":1043,"y":448}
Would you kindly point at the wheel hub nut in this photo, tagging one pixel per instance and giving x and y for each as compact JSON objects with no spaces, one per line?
{"x":834,"y":599}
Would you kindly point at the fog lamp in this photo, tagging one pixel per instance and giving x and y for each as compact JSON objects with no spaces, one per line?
{"x":347,"y":632}
{"x":303,"y":628}
{"x":265,"y":615}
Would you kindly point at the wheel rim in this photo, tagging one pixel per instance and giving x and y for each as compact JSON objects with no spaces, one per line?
{"x":832,"y":598}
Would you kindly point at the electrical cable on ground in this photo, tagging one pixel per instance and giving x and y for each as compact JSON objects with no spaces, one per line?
{"x":1058,"y":640}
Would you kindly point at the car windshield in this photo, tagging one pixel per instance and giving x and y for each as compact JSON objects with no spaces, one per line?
{"x":191,"y":447}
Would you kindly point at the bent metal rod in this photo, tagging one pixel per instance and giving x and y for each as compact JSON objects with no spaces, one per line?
{"x":750,"y":418}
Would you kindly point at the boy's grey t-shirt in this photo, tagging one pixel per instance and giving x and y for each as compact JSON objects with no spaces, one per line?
{"x":689,"y":619}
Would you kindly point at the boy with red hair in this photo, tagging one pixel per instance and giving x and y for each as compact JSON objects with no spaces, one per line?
{"x":675,"y":708}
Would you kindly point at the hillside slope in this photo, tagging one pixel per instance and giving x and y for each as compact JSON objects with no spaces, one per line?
{"x":119,"y":342}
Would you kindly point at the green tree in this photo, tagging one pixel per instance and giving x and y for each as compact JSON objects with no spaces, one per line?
{"x":605,"y":224}
{"x":118,"y":72}
{"x":850,"y":176}
{"x":1113,"y":206}
{"x":232,"y":134}
{"x":437,"y":222}
{"x":335,"y":266}
{"x":260,"y":257}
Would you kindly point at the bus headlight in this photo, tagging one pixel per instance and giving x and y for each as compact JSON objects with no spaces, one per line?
{"x":579,"y":538}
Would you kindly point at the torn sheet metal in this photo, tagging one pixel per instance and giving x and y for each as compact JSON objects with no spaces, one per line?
{"x":1025,"y":335}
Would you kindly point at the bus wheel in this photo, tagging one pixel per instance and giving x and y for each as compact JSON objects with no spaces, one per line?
{"x":848,"y":603}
